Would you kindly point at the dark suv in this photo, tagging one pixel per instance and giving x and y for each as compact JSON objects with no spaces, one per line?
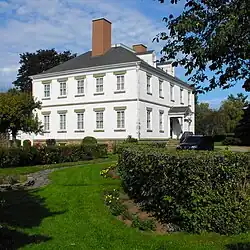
{"x":197,"y":142}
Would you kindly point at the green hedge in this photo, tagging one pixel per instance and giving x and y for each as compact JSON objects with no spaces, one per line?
{"x":13,"y":157}
{"x":198,"y":191}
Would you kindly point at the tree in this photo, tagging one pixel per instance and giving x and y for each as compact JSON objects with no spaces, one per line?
{"x":242,"y":130}
{"x":210,"y":35}
{"x":16,"y":114}
{"x":232,"y":110}
{"x":38,"y":62}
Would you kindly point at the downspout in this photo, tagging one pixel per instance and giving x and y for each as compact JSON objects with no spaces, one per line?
{"x":138,"y":122}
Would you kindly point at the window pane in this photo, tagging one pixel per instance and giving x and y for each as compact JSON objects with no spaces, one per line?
{"x":120,"y":82}
{"x":121,"y":119}
{"x":148,"y":119}
{"x":46,"y":123}
{"x":80,"y":87}
{"x":63,"y":122}
{"x":80,"y":121}
{"x":99,"y":120}
{"x":99,"y":84}
{"x":148,"y":84}
{"x":46,"y":90}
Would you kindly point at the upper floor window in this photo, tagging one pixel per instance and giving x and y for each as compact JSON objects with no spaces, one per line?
{"x":46,"y":124}
{"x":99,"y":85}
{"x":161,"y":121}
{"x":80,"y":86}
{"x":160,"y":88}
{"x":189,"y":98}
{"x":172,"y":92}
{"x":46,"y":90}
{"x":120,"y":82}
{"x":181,"y":95}
{"x":149,"y":90}
{"x":63,"y":89}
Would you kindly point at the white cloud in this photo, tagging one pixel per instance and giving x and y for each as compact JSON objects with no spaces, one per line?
{"x":214,"y":102}
{"x":62,"y":24}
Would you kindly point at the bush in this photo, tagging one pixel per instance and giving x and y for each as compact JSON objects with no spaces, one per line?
{"x":89,"y":140}
{"x":50,"y":142}
{"x":144,"y":225}
{"x":219,"y":138}
{"x":29,"y":156}
{"x":198,"y":191}
{"x":231,"y":141}
{"x":27,"y":144}
{"x":130,"y":139}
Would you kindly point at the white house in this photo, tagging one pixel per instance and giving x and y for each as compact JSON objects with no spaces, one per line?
{"x":111,"y":92}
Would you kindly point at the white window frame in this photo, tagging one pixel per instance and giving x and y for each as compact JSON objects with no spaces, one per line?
{"x":181,"y":96}
{"x":46,"y":90}
{"x":80,"y":122}
{"x":62,"y":121}
{"x":160,"y":88}
{"x":149,"y":87}
{"x":80,"y":86}
{"x":46,"y":122}
{"x":99,"y":120}
{"x":172,"y":92}
{"x":63,"y":88}
{"x":149,"y":119}
{"x":99,"y":85}
{"x":120,"y":82}
{"x":120,"y":119}
{"x":161,"y":121}
{"x":189,"y":98}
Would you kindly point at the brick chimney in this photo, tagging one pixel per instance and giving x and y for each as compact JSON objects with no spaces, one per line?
{"x":139,"y":48}
{"x":101,"y":36}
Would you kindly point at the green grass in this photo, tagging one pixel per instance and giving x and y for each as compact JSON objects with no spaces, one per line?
{"x":70,"y":214}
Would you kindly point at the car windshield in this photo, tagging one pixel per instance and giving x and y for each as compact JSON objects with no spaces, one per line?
{"x":193,"y":139}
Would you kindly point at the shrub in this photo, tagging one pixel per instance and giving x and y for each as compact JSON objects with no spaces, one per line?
{"x":27,"y":144}
{"x":231,"y":141}
{"x":144,"y":225}
{"x":29,"y":156}
{"x":89,"y":140}
{"x":50,"y":142}
{"x":130,"y":139}
{"x":198,"y":191}
{"x":219,"y":138}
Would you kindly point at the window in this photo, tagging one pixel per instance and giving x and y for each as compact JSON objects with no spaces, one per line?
{"x":149,"y":113}
{"x":46,"y":122}
{"x":63,"y":91}
{"x":181,"y":95}
{"x":80,"y":87}
{"x":120,"y":82}
{"x":161,"y":121}
{"x":189,"y":100}
{"x":46,"y":90}
{"x":160,"y":88}
{"x":120,"y":119}
{"x":99,"y":85}
{"x":80,"y":121}
{"x":99,"y":120}
{"x":62,"y":121}
{"x":149,"y":84}
{"x":172,"y":92}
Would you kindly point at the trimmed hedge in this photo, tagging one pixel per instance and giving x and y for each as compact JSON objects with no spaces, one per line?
{"x":232,"y":141}
{"x":17,"y":157}
{"x":197,"y":191}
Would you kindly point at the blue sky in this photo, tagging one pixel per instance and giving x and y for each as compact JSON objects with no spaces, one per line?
{"x":28,"y":25}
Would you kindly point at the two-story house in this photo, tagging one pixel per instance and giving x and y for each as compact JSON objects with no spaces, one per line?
{"x":111,"y":92}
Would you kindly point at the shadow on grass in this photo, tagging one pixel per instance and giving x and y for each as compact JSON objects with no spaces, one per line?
{"x":238,"y":246}
{"x":21,"y":209}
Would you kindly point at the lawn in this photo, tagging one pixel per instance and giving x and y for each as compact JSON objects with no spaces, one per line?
{"x":70,"y":214}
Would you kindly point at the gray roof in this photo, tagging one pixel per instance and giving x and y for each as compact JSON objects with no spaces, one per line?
{"x":114,"y":55}
{"x":145,"y":53}
{"x":182,"y":109}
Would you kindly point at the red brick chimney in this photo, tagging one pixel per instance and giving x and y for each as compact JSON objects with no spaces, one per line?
{"x":139,"y":48}
{"x":101,"y":36}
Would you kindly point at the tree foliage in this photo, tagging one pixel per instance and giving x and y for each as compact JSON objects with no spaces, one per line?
{"x":16,"y":113}
{"x":210,"y":35}
{"x":38,"y":62}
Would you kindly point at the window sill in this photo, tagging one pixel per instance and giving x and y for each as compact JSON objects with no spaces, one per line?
{"x":119,"y":130}
{"x":46,"y":98}
{"x":79,"y":131}
{"x":172,"y":100}
{"x":79,"y":95}
{"x":149,"y":130}
{"x":161,"y":131}
{"x":101,"y":93}
{"x":119,"y":91}
{"x":149,"y":93}
{"x":99,"y":130}
{"x":162,"y":97}
{"x":61,"y":97}
{"x":46,"y":132}
{"x":61,"y":131}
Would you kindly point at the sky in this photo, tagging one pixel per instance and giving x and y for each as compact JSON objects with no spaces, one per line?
{"x":29,"y":25}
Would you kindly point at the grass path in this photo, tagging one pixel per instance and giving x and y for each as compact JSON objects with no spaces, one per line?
{"x":70,"y":214}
